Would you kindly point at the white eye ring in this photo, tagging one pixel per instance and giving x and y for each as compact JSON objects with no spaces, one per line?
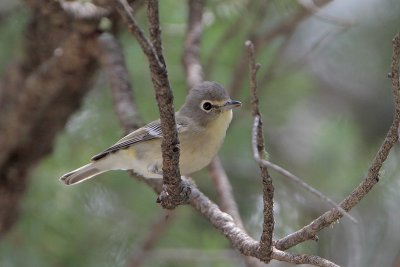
{"x":206,"y":105}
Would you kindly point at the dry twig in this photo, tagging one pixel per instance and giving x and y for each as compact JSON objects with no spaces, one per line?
{"x":259,"y":153}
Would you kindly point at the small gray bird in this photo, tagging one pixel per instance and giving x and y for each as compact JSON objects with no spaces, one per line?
{"x":201,"y":124}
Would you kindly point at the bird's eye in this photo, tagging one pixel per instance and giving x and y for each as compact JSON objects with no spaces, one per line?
{"x":207,"y":106}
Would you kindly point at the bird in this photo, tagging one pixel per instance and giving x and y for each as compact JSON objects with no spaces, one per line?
{"x":201,"y":123}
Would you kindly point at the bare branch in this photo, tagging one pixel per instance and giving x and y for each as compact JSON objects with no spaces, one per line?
{"x":190,"y":58}
{"x":301,"y":259}
{"x":259,"y":152}
{"x":113,"y":62}
{"x":372,"y":177}
{"x":175,"y":192}
{"x":155,"y":231}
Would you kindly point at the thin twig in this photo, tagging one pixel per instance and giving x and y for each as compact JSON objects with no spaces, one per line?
{"x":112,"y":60}
{"x":259,"y":152}
{"x":301,"y":259}
{"x":309,"y":231}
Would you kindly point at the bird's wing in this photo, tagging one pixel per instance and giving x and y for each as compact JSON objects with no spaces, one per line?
{"x":145,"y":133}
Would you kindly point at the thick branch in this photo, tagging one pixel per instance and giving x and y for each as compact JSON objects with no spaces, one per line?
{"x":372,"y":177}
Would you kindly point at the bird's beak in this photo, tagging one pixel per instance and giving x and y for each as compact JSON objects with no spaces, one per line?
{"x":230,"y":105}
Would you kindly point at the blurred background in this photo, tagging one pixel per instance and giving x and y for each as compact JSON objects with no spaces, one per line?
{"x":326,"y":103}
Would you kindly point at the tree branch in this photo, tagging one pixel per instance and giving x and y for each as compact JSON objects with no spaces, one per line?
{"x":259,"y":153}
{"x":372,"y":177}
{"x":301,"y":259}
{"x":175,"y":192}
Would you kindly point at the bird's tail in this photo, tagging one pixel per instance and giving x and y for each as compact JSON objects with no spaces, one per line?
{"x":83,"y":173}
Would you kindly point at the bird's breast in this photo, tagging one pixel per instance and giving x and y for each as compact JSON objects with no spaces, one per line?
{"x":199,"y":147}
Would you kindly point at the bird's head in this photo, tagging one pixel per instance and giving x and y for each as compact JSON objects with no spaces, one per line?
{"x":207,"y":101}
